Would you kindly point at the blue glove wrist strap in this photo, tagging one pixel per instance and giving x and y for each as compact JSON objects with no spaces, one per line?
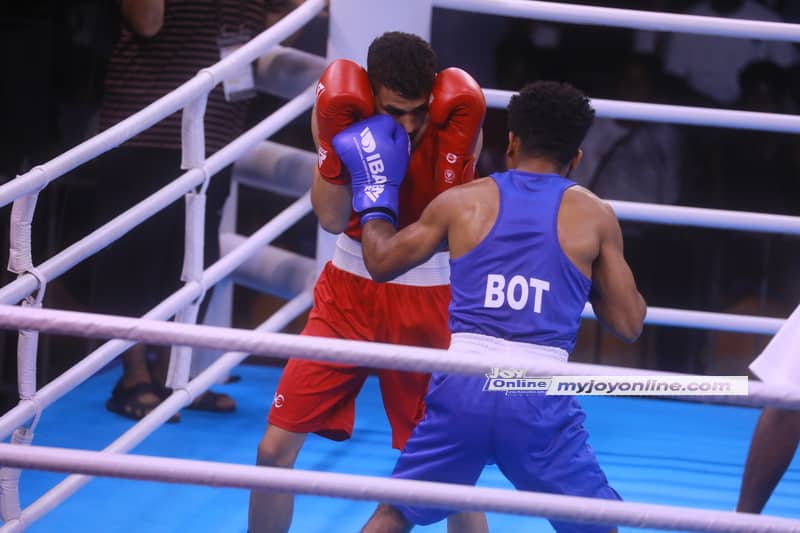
{"x":382,"y":213}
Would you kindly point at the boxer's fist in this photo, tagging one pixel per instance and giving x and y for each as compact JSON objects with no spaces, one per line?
{"x":457,"y":110}
{"x":376,"y":153}
{"x":344,"y":97}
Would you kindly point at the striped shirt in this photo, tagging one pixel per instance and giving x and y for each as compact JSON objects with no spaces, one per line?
{"x":142,"y":70}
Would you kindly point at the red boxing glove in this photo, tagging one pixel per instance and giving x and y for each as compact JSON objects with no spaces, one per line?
{"x":457,"y":110}
{"x":344,"y":96}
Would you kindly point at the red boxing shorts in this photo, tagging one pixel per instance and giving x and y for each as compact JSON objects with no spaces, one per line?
{"x":319,"y":397}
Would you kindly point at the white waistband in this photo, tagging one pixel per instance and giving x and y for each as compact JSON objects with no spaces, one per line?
{"x":435,"y":271}
{"x":484,"y":343}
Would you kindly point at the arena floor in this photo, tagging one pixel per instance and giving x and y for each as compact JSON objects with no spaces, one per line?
{"x":653,"y":451}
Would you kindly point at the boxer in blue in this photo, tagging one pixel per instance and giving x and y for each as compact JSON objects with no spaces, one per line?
{"x":528,"y":248}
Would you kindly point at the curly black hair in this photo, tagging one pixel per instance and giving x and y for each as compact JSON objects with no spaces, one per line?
{"x":402,"y":62}
{"x":551,"y":120}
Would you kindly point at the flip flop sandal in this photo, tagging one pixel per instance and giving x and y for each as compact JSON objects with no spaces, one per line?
{"x":209,"y":401}
{"x":126,"y":401}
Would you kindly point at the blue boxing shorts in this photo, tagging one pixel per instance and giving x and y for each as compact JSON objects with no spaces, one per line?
{"x":537,"y":441}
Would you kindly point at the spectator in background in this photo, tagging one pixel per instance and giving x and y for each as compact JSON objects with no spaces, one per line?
{"x":163,"y":43}
{"x":455,"y":45}
{"x":745,"y":154}
{"x":711,"y":64}
{"x":643,"y":162}
{"x":754,"y":171}
{"x":631,"y":160}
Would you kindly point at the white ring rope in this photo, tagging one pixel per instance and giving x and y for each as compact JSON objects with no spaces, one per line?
{"x":375,"y":355}
{"x":628,"y":18}
{"x":665,"y":316}
{"x":191,"y":97}
{"x":90,"y":364}
{"x":158,"y":416}
{"x":390,"y":490}
{"x":675,"y":114}
{"x":706,"y":218}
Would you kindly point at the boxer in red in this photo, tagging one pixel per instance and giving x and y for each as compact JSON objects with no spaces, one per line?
{"x":442,"y":113}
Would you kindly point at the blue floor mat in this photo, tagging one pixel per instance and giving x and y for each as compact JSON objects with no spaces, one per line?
{"x":653,"y":451}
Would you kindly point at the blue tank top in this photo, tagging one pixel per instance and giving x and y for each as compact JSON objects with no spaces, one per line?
{"x":517,"y":283}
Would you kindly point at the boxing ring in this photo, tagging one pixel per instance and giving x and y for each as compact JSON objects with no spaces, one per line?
{"x":252,"y":261}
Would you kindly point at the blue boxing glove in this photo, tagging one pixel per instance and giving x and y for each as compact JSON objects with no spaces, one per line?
{"x":376,"y":153}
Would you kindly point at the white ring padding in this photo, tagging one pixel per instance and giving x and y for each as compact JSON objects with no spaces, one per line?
{"x":629,"y":18}
{"x":286,"y":71}
{"x":278,"y":168}
{"x":360,"y":353}
{"x":19,"y":256}
{"x":193,"y":133}
{"x":360,"y":487}
{"x":201,"y":84}
{"x":675,"y":114}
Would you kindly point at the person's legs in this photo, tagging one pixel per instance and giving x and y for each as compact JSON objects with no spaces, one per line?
{"x":773,"y":445}
{"x":542,"y":446}
{"x":310,"y":398}
{"x":446,"y":446}
{"x":403,"y":399}
{"x":467,"y":522}
{"x":410,"y":322}
{"x":387,"y":519}
{"x":313,"y":397}
{"x":136,"y":393}
{"x":134,"y":273}
{"x":134,"y":367}
{"x":271,"y":512}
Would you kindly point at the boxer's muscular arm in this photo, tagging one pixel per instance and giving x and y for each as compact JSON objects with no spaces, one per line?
{"x":615,"y":299}
{"x":388,"y":254}
{"x":589,"y":234}
{"x":331,"y":201}
{"x":459,"y":219}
